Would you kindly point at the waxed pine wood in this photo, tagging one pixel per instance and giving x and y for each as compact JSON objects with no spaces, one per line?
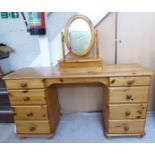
{"x":24,"y":84}
{"x":128,"y":94}
{"x":130,"y":81}
{"x":53,"y":106}
{"x":81,"y":65}
{"x":126,"y":126}
{"x":125,"y":98}
{"x":105,"y":112}
{"x":33,"y":127}
{"x":127,"y":111}
{"x":31,"y":96}
{"x":50,"y":73}
{"x":30,"y":112}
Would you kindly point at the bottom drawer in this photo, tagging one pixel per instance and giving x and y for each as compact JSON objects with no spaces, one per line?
{"x":33,"y":127}
{"x":126,"y":126}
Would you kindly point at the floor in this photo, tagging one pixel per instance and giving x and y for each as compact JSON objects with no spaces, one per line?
{"x":78,"y":128}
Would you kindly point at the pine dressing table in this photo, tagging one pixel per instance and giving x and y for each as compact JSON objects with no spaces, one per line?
{"x":33,"y":91}
{"x":35,"y":104}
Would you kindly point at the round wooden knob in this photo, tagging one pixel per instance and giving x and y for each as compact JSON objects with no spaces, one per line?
{"x":138,"y":117}
{"x":32,"y":129}
{"x":26,"y":98}
{"x":23,"y":85}
{"x":61,"y":80}
{"x":128,"y":97}
{"x":126,"y":128}
{"x":113,"y":81}
{"x":130,"y":82}
{"x":14,"y":114}
{"x":30,"y":114}
{"x":44,"y":115}
{"x":127,"y":113}
{"x":139,"y":112}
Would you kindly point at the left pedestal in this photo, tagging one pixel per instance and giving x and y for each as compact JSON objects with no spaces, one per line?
{"x":35,"y":107}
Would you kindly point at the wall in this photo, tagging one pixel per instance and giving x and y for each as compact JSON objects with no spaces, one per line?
{"x":87,"y":98}
{"x":136,"y":37}
{"x":27,"y":49}
{"x":56,"y":22}
{"x":136,"y":43}
{"x":106,"y":34}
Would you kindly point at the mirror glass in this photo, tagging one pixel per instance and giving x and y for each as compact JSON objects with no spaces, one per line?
{"x":79,"y":35}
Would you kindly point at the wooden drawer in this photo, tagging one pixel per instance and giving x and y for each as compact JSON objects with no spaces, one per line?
{"x":127,"y":111}
{"x":126,"y":126}
{"x":128,"y":94}
{"x":130,"y":81}
{"x":31,"y":96}
{"x":30,"y":112}
{"x":23,"y":84}
{"x":33,"y":127}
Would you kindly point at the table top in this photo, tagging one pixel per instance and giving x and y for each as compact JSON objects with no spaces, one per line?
{"x":53,"y":72}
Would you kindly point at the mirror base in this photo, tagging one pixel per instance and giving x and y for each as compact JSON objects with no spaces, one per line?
{"x":90,"y":65}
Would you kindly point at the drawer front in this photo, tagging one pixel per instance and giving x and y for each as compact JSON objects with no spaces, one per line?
{"x":21,"y":84}
{"x":31,"y":127}
{"x":126,"y":126}
{"x":32,"y":96}
{"x":128,"y":94}
{"x":30,"y":112}
{"x":130,"y":81}
{"x":127,"y":111}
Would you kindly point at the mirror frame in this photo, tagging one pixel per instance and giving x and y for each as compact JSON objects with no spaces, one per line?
{"x":92,"y":30}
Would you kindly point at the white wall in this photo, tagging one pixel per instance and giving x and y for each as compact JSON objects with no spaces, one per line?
{"x":56,"y":22}
{"x":106,"y":34}
{"x":5,"y":65}
{"x":89,"y":97}
{"x":33,"y":51}
{"x":55,"y":25}
{"x":136,"y":42}
{"x":59,"y":20}
{"x":13,"y":32}
{"x":135,"y":30}
{"x":30,"y":50}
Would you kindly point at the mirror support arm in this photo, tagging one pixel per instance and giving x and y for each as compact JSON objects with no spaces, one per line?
{"x":63,"y":49}
{"x":97,"y":48}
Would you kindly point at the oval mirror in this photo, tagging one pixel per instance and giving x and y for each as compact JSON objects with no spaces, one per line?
{"x":79,"y":35}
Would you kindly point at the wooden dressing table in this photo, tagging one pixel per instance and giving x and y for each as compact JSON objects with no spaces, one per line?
{"x":33,"y":91}
{"x":34,"y":100}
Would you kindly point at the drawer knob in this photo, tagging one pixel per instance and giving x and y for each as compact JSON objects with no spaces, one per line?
{"x":32,"y":129}
{"x":129,"y":97}
{"x":138,"y":117}
{"x":43,"y":115}
{"x":26,"y":98}
{"x":61,"y":80}
{"x":139,"y":112}
{"x":126,"y":128}
{"x":113,"y":81}
{"x":14,"y":114}
{"x":23,"y":85}
{"x":30,"y":114}
{"x":127,"y":113}
{"x":130,"y":82}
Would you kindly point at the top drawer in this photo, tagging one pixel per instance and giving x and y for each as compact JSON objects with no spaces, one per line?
{"x":20,"y":84}
{"x":130,"y":81}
